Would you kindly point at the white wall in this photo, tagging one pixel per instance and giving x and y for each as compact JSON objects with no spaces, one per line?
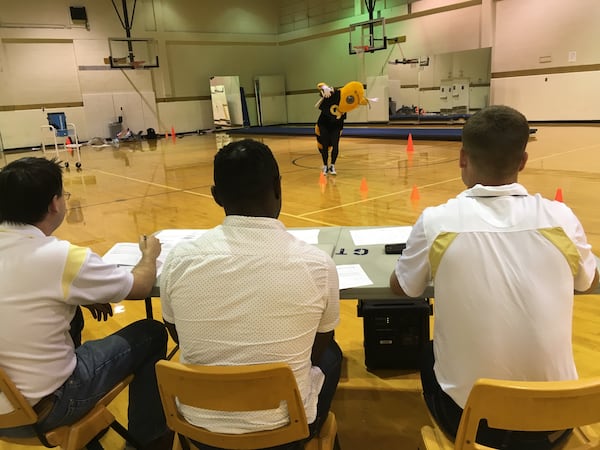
{"x":539,"y":35}
{"x":49,"y":63}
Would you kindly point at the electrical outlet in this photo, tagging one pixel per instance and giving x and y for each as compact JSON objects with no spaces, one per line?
{"x":572,"y":56}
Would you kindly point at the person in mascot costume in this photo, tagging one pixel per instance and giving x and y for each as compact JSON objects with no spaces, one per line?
{"x":334,"y":104}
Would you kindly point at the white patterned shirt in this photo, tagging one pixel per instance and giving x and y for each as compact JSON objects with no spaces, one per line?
{"x":248,"y":292}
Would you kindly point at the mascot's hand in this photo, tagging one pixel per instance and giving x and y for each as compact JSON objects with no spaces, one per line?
{"x":326,"y":91}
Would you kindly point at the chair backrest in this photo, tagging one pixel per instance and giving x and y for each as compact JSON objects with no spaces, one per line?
{"x":528,"y":406}
{"x":23,"y":413}
{"x":232,"y":388}
{"x":71,"y":437}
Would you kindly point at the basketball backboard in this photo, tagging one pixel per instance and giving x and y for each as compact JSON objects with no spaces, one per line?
{"x":368,"y":36}
{"x":132,"y":53}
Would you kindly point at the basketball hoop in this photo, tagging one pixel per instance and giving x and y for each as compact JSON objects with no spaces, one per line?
{"x":137,"y":64}
{"x":360,"y":48}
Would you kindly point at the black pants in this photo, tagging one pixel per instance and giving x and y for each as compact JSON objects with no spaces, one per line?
{"x":77,"y":323}
{"x":447,"y":415}
{"x":328,"y":138}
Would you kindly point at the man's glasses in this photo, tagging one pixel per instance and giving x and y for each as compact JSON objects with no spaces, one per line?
{"x":66,"y":195}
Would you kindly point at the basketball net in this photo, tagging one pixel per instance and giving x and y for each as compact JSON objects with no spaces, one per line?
{"x":360,"y":52}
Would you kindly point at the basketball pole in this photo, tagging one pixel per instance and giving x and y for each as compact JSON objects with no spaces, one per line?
{"x":360,"y":52}
{"x":127,"y":24}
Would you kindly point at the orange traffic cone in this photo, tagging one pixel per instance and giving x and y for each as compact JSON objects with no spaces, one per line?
{"x":322,"y":179}
{"x":173,"y":135}
{"x":409,"y":147}
{"x":363,"y":185}
{"x":414,"y":195}
{"x":364,"y":189}
{"x":559,"y":195}
{"x":322,"y":182}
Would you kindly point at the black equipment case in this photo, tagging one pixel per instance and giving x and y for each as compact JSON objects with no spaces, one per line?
{"x":395,"y":332}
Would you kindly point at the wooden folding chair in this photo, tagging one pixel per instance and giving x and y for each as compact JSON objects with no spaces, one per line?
{"x":238,"y":388}
{"x":526,"y":406}
{"x":71,"y":437}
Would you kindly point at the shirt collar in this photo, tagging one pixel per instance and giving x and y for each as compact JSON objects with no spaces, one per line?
{"x":252,"y":222}
{"x":480,"y":190}
{"x":25,"y":230}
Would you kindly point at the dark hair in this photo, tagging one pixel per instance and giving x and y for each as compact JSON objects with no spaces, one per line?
{"x":27,"y":187}
{"x":495,"y":139}
{"x":244,"y":172}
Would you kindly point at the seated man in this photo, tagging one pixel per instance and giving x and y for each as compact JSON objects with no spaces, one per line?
{"x":504,"y":265}
{"x":248,"y":292}
{"x":42,"y":282}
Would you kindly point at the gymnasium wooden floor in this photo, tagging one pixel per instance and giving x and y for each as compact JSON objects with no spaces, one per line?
{"x":122,"y":193}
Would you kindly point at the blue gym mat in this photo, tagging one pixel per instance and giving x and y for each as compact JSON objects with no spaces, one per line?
{"x":444,"y":134}
{"x":389,"y":132}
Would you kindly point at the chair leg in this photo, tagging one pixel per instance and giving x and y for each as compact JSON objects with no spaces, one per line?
{"x":125,"y":434}
{"x":173,"y":352}
{"x":94,"y":444}
{"x":180,"y":443}
{"x":336,"y":443}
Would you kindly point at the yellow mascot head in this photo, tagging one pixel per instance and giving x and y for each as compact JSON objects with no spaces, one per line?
{"x":352,"y":95}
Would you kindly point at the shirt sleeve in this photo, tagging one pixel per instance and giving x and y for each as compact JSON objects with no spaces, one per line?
{"x":412,"y":268}
{"x":88,"y":279}
{"x":587,"y":263}
{"x":165,"y":301}
{"x":331,"y":315}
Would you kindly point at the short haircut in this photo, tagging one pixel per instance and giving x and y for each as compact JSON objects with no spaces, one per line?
{"x":244,"y":172}
{"x":495,"y":139}
{"x":27,"y":187}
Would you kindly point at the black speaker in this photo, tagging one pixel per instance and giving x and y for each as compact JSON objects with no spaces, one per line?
{"x":395,"y":332}
{"x":78,"y":13}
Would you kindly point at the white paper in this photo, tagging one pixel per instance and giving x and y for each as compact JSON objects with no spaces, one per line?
{"x":170,"y":238}
{"x":179,"y":234}
{"x":128,"y":254}
{"x":352,"y":275}
{"x":123,"y":254}
{"x":308,"y":235}
{"x":373,"y":236}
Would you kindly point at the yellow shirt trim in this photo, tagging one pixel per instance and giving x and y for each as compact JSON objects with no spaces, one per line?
{"x":440,"y":244}
{"x":564,"y":244}
{"x":75,"y":259}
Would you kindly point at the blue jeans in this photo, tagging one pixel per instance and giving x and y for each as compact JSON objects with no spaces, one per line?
{"x":103,"y":363}
{"x":331,"y":366}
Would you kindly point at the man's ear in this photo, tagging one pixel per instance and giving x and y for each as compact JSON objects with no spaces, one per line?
{"x":215,"y":195}
{"x":463,"y":158}
{"x":523,"y":161}
{"x":53,"y":205}
{"x":277,"y":187}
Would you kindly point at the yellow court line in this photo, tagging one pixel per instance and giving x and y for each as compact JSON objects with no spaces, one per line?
{"x":390,"y":194}
{"x":566,"y":152}
{"x":320,"y":222}
{"x":151,"y":183}
{"x":589,"y":147}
